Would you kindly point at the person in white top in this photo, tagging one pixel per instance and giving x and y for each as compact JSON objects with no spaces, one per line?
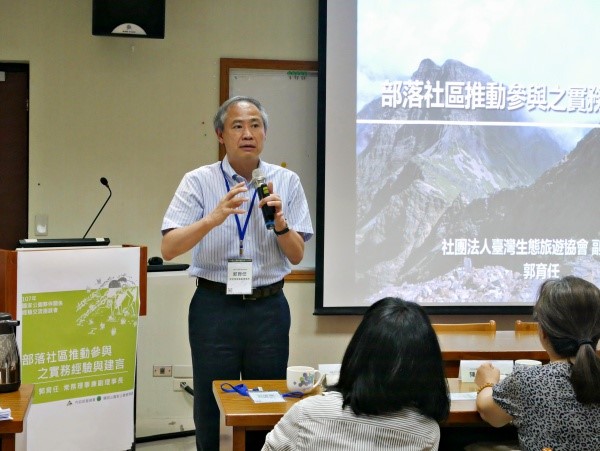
{"x":391,"y":393}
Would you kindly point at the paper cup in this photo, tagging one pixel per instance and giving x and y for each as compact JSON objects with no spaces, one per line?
{"x":332,"y":378}
{"x":525,"y":363}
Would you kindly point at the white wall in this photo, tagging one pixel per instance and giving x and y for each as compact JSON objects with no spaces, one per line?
{"x":162,"y":338}
{"x":136,"y":111}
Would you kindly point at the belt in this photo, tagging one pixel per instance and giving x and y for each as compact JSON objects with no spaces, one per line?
{"x":257,"y":293}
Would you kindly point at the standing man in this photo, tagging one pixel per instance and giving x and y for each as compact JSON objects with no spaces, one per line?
{"x":239,"y":318}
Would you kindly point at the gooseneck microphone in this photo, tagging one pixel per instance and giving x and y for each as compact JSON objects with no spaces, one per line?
{"x":105,"y":183}
{"x":258,"y":179}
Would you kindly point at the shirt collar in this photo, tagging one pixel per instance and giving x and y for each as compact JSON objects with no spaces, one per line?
{"x":233,"y":176}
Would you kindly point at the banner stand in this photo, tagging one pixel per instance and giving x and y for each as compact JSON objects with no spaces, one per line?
{"x":79,"y":310}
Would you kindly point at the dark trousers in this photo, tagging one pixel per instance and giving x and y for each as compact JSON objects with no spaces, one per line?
{"x":231,"y":337}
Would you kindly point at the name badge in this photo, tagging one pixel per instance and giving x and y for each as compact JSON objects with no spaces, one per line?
{"x":265,"y":396}
{"x":239,"y":276}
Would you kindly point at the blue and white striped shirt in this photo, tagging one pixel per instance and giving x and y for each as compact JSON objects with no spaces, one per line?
{"x":200,"y":192}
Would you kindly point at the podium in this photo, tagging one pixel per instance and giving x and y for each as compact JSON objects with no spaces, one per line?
{"x":79,"y":310}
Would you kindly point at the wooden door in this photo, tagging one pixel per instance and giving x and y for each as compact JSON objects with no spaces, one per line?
{"x":14,"y":153}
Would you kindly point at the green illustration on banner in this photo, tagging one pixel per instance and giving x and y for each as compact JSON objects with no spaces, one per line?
{"x":80,"y":343}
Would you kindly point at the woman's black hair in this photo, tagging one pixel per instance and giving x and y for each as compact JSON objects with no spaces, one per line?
{"x":568,"y":311}
{"x":392,"y":362}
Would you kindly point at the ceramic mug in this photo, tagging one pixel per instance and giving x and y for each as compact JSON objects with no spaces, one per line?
{"x":303,"y":378}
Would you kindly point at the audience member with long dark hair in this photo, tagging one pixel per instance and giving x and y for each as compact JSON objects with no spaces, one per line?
{"x":557,"y":405}
{"x":391,"y":392}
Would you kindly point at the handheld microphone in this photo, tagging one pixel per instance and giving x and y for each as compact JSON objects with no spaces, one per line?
{"x":105,"y":183}
{"x":258,"y":179}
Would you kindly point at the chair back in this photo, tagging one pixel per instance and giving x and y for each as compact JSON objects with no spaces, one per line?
{"x":490,"y":326}
{"x":525,"y":326}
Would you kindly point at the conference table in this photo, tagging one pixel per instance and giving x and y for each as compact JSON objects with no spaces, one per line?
{"x":18,"y":401}
{"x":498,"y":345}
{"x":243,"y":414}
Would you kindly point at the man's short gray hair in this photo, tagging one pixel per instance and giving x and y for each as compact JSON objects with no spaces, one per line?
{"x":219,"y":119}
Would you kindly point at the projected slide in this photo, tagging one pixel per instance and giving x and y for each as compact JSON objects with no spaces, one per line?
{"x":476,"y":153}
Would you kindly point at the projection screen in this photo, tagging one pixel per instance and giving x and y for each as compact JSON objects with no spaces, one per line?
{"x":458,"y":145}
